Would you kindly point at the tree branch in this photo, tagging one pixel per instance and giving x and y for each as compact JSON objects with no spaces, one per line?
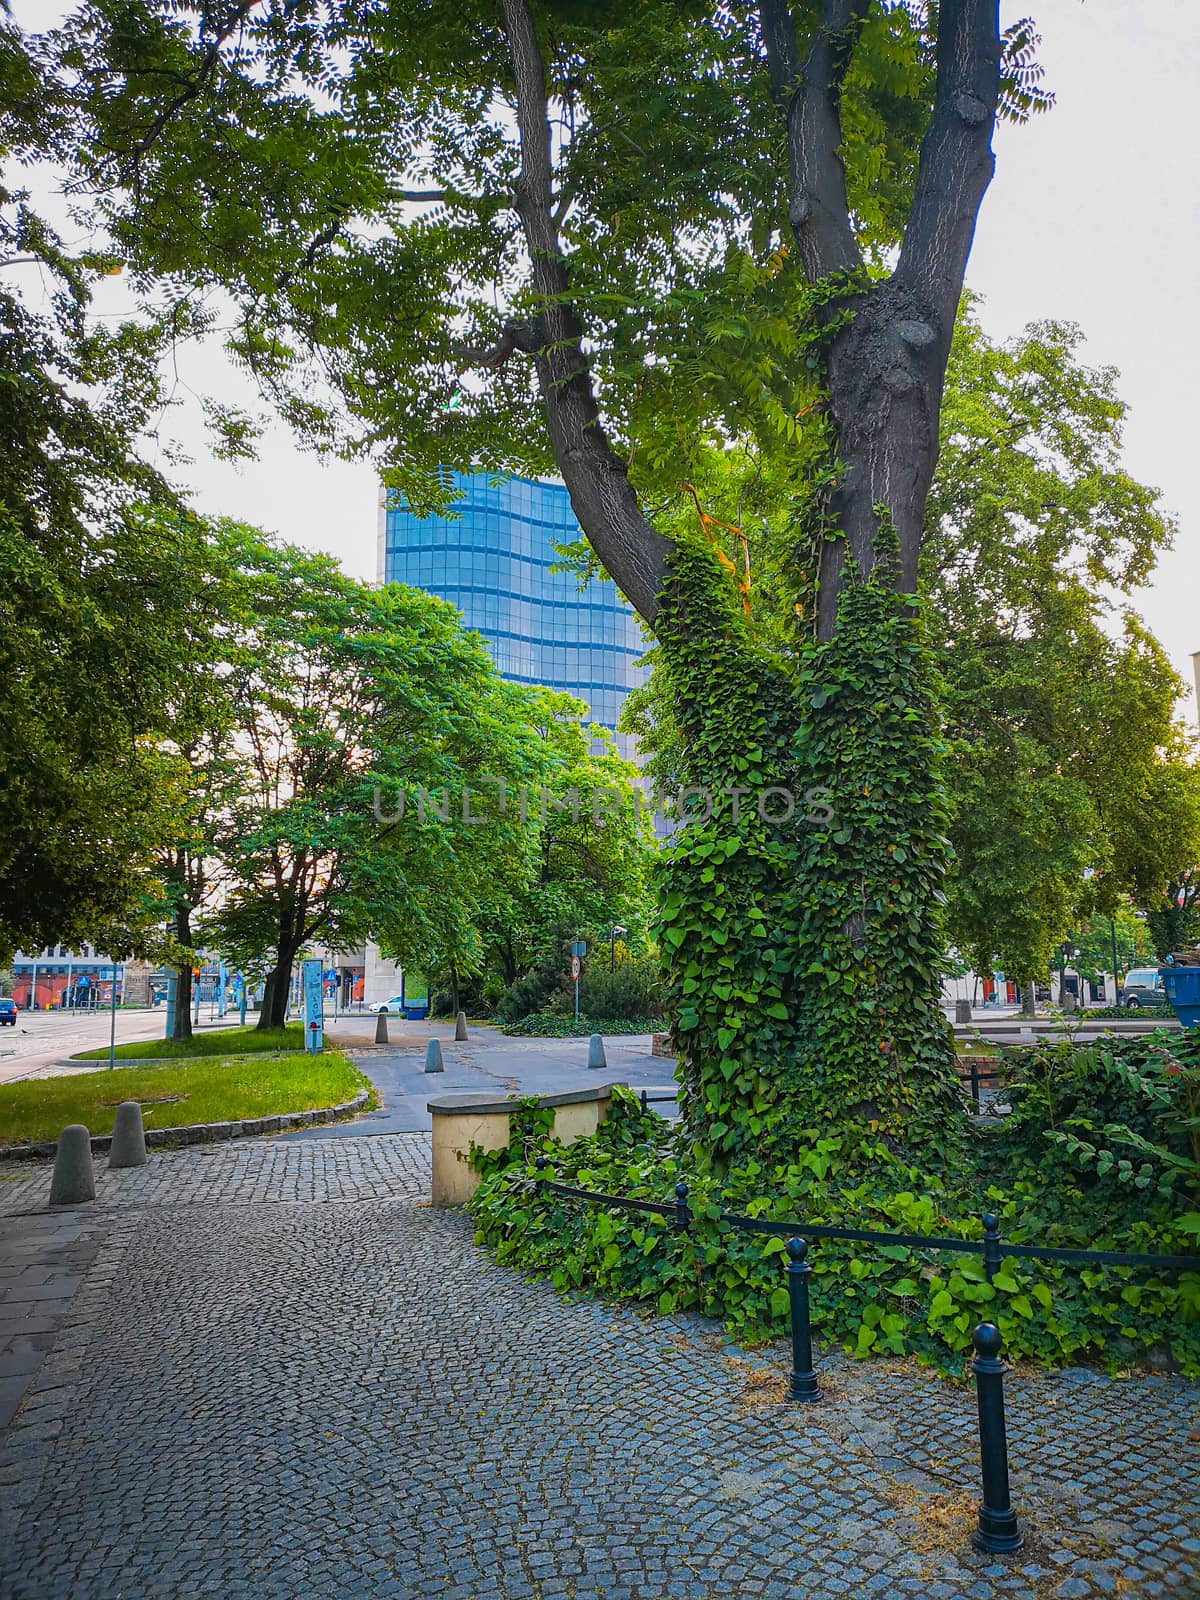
{"x":208,"y":65}
{"x":809,"y":95}
{"x":956,"y":161}
{"x":633,"y":552}
{"x":514,"y":336}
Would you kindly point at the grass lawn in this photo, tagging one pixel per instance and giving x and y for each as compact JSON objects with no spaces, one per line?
{"x":212,"y":1042}
{"x":173,"y":1096}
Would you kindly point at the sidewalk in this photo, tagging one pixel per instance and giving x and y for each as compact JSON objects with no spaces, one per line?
{"x":282,"y":1376}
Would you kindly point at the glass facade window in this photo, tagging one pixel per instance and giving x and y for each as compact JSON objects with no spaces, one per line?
{"x":493,"y":561}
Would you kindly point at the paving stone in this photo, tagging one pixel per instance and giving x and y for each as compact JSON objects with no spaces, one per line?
{"x":324,"y":1389}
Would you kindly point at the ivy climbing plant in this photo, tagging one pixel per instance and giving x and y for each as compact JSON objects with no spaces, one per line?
{"x":795,"y":918}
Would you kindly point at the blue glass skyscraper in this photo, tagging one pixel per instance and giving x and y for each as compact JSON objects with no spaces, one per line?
{"x":492,"y":560}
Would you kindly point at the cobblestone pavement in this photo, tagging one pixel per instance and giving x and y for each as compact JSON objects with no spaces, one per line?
{"x":301,"y":1399}
{"x":240,"y":1173}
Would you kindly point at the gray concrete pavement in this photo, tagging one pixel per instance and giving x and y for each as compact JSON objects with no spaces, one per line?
{"x":489,"y":1063}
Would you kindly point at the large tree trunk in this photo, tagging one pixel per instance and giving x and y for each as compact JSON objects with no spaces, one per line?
{"x":181,"y":1017}
{"x":885,"y":392}
{"x":277,"y":988}
{"x":803,"y":960}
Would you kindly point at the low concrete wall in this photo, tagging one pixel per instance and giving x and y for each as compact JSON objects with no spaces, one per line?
{"x":461,"y":1120}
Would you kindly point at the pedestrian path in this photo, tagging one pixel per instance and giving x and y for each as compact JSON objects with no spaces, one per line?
{"x":302,"y":1387}
{"x":246,"y":1171}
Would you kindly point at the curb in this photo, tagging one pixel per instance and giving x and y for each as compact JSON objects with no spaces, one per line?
{"x":203,"y":1132}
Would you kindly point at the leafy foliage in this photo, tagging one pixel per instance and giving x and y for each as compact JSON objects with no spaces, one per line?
{"x":365,"y":720}
{"x":587,"y":847}
{"x":802,"y":954}
{"x":633,"y":990}
{"x":564,"y":1025}
{"x":1060,"y":725}
{"x":891,"y":1298}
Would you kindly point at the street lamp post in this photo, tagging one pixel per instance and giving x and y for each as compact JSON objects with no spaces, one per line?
{"x":615,"y":932}
{"x":112,"y":1026}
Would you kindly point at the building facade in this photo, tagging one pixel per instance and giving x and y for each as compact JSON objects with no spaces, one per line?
{"x":60,"y":978}
{"x":493,"y":560}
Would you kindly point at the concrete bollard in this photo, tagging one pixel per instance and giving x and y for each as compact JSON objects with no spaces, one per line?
{"x":381,"y":1028}
{"x":433,"y":1056}
{"x":73,"y":1181}
{"x":596,"y":1056}
{"x":128,"y":1148}
{"x":460,"y":1028}
{"x":962,"y":1011}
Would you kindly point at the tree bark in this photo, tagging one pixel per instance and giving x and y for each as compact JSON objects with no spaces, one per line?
{"x":603,"y":499}
{"x":887,"y":367}
{"x":276,"y":989}
{"x":181,"y":1016}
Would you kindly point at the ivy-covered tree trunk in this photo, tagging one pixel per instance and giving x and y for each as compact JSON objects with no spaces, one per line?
{"x":799,"y":921}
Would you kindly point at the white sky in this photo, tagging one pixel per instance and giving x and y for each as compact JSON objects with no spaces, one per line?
{"x":1093,"y":217}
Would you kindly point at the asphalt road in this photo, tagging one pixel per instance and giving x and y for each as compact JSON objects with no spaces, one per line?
{"x":41,"y":1040}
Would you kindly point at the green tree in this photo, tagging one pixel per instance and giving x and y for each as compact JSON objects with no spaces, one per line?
{"x":588,"y":850}
{"x":637,"y":236}
{"x":1094,"y":939}
{"x":369,"y":732}
{"x":107,"y":604}
{"x":1060,"y":709}
{"x":1164,"y":858}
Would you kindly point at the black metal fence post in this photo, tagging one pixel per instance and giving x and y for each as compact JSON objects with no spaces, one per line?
{"x":975,"y":1085}
{"x":683,"y":1215}
{"x":804,"y":1385}
{"x":992,"y":1259}
{"x":997,"y":1529}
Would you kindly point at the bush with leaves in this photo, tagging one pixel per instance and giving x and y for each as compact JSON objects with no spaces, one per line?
{"x":633,"y":989}
{"x":1119,"y":1122}
{"x":534,"y":992}
{"x":565,"y":1025}
{"x":891,"y":1298}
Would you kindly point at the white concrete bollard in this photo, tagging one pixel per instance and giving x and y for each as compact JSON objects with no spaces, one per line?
{"x":433,"y":1056}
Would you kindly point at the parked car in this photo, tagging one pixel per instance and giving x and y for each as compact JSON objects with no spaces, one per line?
{"x":8,"y":1013}
{"x":1143,"y":987}
{"x":396,"y":1003}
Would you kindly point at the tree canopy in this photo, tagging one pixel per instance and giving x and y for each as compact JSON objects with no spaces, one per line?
{"x":1060,"y":704}
{"x":108,"y":599}
{"x":523,"y":235}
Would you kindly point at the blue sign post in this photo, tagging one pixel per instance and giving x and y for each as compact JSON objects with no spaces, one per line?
{"x":312,"y":977}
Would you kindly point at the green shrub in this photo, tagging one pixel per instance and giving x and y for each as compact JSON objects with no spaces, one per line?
{"x":533,"y":992}
{"x":553,"y":1025}
{"x":1132,"y":1013}
{"x":890,"y":1298}
{"x":634,"y":989}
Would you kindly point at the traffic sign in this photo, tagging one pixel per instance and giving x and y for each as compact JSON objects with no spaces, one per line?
{"x":575,"y":966}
